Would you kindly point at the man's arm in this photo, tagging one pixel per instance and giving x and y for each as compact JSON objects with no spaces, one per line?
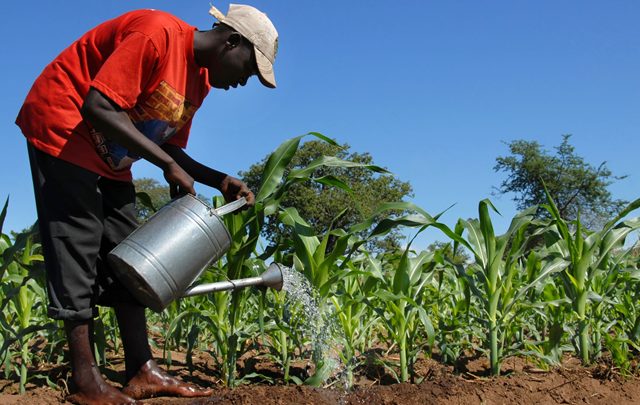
{"x":231,"y":188}
{"x":108,"y":118}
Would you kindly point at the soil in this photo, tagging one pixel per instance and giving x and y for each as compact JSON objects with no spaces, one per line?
{"x":467,"y":383}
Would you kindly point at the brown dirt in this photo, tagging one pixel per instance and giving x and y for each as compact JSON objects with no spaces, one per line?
{"x":521,"y":383}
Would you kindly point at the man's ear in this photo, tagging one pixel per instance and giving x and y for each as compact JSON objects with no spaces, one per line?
{"x":234,"y":40}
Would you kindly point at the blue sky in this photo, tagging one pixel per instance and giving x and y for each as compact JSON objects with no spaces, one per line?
{"x":432,"y":89}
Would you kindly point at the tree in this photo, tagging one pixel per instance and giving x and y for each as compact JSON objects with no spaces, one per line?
{"x":321,"y":205}
{"x":459,"y":256}
{"x":577,"y":187}
{"x":158,"y":196}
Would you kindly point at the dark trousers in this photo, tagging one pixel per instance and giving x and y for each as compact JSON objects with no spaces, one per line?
{"x":81,"y":217}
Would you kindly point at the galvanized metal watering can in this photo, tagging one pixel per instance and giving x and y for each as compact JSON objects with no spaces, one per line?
{"x":160,"y":260}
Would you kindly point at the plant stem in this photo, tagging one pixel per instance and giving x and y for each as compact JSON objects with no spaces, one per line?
{"x":583,"y":327}
{"x":23,"y":366}
{"x":493,"y":348}
{"x":404,"y":369}
{"x":583,"y":330}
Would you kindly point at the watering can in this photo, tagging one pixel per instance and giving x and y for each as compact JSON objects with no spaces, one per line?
{"x":160,"y":260}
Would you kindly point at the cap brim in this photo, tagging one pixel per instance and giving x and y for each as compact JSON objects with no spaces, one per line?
{"x":265,"y":69}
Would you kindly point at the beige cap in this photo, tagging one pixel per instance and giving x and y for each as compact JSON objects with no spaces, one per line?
{"x":254,"y":25}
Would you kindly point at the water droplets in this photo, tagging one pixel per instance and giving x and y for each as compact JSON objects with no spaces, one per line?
{"x":318,"y":323}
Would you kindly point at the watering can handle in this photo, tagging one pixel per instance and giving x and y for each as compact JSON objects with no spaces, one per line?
{"x":232,"y":206}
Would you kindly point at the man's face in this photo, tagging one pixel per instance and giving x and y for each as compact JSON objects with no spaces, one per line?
{"x":235,"y":65}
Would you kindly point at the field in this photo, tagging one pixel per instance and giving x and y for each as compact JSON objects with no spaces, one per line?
{"x":521,"y":383}
{"x":546,"y":312}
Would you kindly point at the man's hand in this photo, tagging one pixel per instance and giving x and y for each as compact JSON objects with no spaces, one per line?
{"x":180,"y":182}
{"x":233,"y":189}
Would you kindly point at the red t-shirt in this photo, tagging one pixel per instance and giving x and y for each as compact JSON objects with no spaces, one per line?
{"x":143,"y":61}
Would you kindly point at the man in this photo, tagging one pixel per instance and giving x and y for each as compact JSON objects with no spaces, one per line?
{"x":125,"y":90}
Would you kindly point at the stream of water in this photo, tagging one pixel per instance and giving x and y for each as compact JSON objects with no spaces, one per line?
{"x":319,"y":325}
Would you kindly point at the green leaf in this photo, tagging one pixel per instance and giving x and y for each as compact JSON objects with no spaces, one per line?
{"x":290,"y":216}
{"x":333,"y":181}
{"x":145,"y":200}
{"x":321,"y":375}
{"x":553,"y":266}
{"x":616,"y":237}
{"x":401,"y":276}
{"x":275,"y":167}
{"x":486,"y":227}
{"x":388,"y":224}
{"x":324,"y":138}
{"x":295,"y":380}
{"x":521,"y":219}
{"x":406,"y":206}
{"x":21,"y":241}
{"x":625,"y":211}
{"x":332,"y":161}
{"x":477,"y":241}
{"x":388,"y":296}
{"x":277,"y":164}
{"x":555,"y":214}
{"x":416,"y":264}
{"x":428,"y":326}
{"x":374,"y":268}
{"x":3,"y":214}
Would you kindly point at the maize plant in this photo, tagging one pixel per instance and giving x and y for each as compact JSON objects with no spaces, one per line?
{"x":245,"y":229}
{"x":626,"y":310}
{"x":311,"y":259}
{"x":543,"y":311}
{"x":449,"y":300}
{"x":279,"y":335}
{"x":21,"y":294}
{"x":607,"y":284}
{"x":493,"y":277}
{"x":586,"y":253}
{"x":399,"y":304}
{"x":355,"y":317}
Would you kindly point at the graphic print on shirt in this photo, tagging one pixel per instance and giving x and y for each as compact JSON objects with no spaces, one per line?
{"x":159,"y":117}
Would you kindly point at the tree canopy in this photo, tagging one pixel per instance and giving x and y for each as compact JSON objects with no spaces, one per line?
{"x":322,"y":206}
{"x":158,"y":195}
{"x":577,"y":187}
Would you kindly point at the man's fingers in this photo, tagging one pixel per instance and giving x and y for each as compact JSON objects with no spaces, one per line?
{"x":251,"y":199}
{"x":176,"y":190}
{"x":248,"y":195}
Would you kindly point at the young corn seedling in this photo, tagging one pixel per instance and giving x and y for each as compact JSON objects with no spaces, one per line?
{"x":279,"y":334}
{"x":21,"y":294}
{"x":492,"y":277}
{"x":585,"y":254}
{"x":448,"y":298}
{"x":542,"y":311}
{"x":319,"y":267}
{"x":355,"y":317}
{"x":606,"y":285}
{"x":399,"y":304}
{"x":626,"y":308}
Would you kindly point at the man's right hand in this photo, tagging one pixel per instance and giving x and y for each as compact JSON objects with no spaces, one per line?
{"x":180,"y":182}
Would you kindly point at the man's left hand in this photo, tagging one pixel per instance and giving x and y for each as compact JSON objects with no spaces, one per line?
{"x":234,"y":189}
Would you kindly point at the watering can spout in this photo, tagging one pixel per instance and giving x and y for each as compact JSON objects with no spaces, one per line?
{"x":272,"y":278}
